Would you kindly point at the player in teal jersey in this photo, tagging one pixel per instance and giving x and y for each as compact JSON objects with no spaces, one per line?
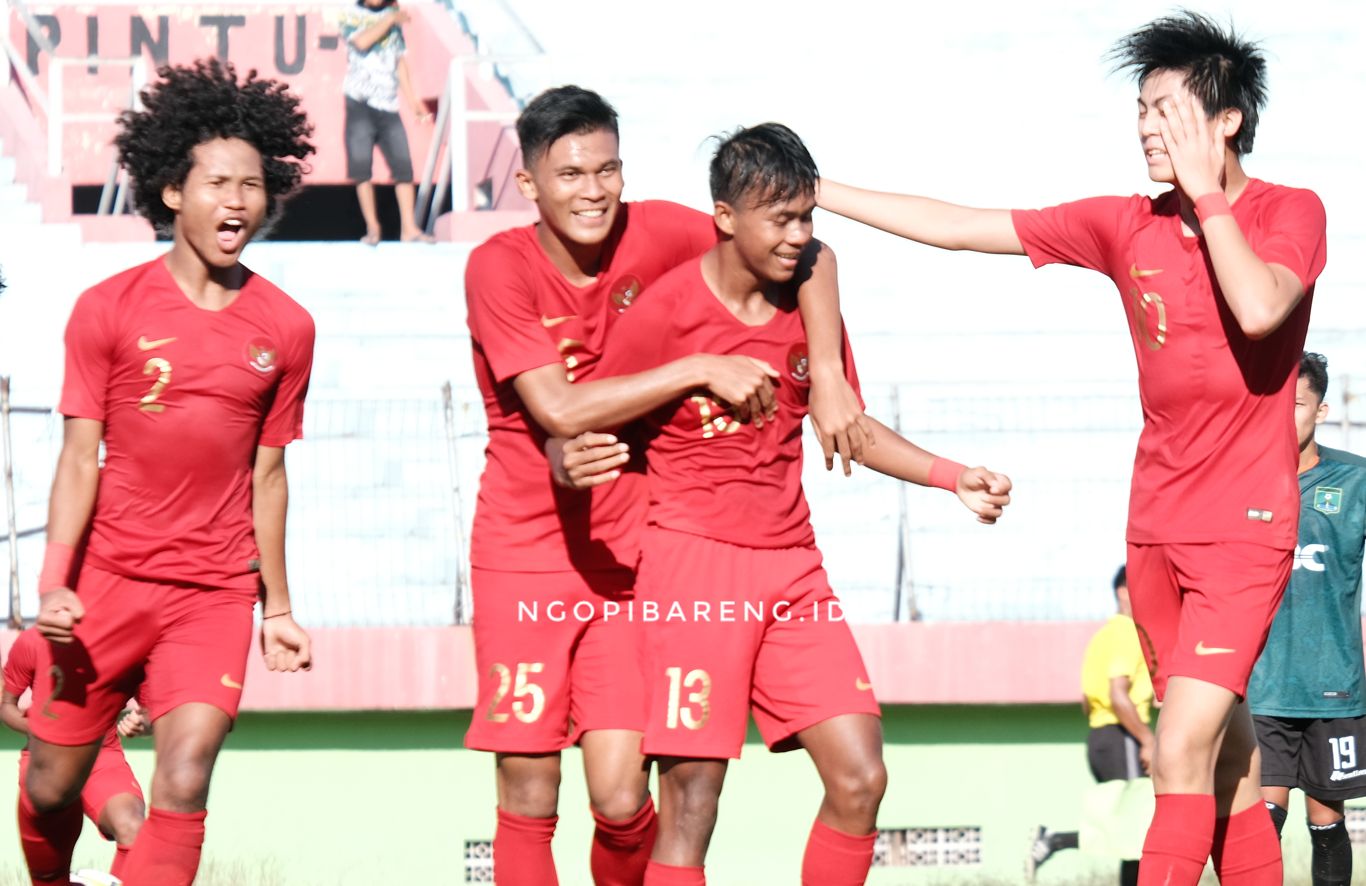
{"x":1306,"y":692}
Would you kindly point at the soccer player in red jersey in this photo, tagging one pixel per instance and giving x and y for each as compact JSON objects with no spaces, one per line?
{"x":746,"y":617}
{"x":112,"y":797}
{"x":541,"y":300}
{"x":191,"y":370}
{"x":1216,"y":275}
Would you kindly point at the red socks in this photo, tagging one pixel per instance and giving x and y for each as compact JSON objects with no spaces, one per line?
{"x":621,"y":849}
{"x":657,"y":874}
{"x":1179,"y":840}
{"x":521,"y":851}
{"x":1246,"y":850}
{"x":166,"y":852}
{"x":834,"y":858}
{"x":48,"y":840}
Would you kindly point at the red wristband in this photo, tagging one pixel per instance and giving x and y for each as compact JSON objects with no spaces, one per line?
{"x":944,"y":474}
{"x":1212,"y":204}
{"x":56,"y":567}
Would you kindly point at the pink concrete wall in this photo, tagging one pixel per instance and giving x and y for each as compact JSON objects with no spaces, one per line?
{"x":951,"y":663}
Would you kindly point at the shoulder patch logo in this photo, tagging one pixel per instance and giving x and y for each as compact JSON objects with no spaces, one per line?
{"x":625,"y":292}
{"x":261,"y":355}
{"x":798,"y":366}
{"x":1327,"y":499}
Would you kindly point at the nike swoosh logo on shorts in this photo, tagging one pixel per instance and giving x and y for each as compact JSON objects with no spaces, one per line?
{"x":1202,"y":649}
{"x":862,"y":685}
{"x":230,"y":682}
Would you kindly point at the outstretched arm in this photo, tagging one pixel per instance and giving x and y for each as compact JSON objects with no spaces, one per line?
{"x":932,"y":222}
{"x":984,"y":492}
{"x":284,"y":644}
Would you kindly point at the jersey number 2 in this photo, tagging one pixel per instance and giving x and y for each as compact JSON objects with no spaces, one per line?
{"x":149,"y":403}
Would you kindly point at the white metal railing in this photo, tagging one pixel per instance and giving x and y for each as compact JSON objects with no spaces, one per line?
{"x":454,"y":116}
{"x":52,"y":100}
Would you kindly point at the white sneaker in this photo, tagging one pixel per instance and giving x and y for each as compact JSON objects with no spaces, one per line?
{"x":92,"y":877}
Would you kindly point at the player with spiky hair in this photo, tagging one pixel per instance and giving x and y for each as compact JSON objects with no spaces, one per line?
{"x":1217,"y":276}
{"x":191,"y":370}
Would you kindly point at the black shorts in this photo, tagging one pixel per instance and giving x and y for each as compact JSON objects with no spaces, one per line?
{"x":1113,"y":754}
{"x":1325,"y":758}
{"x":368,"y":128}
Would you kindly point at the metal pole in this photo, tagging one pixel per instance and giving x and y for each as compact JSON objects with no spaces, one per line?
{"x":15,"y":619}
{"x":453,"y":462}
{"x":905,"y":586}
{"x":1346,"y":421}
{"x":54,"y":117}
{"x":457,"y":142}
{"x":426,"y":199}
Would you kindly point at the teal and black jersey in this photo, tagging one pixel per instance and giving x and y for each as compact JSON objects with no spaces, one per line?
{"x":1312,"y":665}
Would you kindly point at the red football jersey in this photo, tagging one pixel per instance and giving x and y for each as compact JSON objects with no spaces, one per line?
{"x":523,"y":314}
{"x":1218,"y":454}
{"x":710,"y":475}
{"x":186,"y":395}
{"x":22,"y":665}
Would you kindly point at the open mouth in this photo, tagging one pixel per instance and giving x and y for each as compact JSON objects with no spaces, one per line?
{"x":231,"y":234}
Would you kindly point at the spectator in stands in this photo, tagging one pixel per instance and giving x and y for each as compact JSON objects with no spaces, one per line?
{"x":376,"y":72}
{"x":1117,"y":695}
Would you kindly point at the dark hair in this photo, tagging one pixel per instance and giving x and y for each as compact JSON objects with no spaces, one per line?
{"x":767,"y":163}
{"x":1315,"y":368}
{"x":555,"y":113}
{"x":1121,"y":579}
{"x":197,"y":103}
{"x":1221,"y":68}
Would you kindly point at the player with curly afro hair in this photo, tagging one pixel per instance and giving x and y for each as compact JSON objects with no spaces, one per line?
{"x":191,"y":371}
{"x":196,"y":103}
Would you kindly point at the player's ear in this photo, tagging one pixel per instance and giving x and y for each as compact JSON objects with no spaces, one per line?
{"x":525,"y":184}
{"x":1321,"y":414}
{"x":172,"y":196}
{"x":725,"y":218}
{"x":1230,"y":121}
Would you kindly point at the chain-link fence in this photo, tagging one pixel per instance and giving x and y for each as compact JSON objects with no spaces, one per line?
{"x":382,"y":493}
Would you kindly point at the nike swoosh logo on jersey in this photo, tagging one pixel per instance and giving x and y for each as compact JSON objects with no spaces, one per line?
{"x":1202,"y":649}
{"x":145,"y":345}
{"x":862,"y":685}
{"x":1135,"y":273}
{"x":548,"y":322}
{"x":230,"y":682}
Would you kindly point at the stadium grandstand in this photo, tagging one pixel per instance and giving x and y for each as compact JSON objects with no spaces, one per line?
{"x":973,"y":635}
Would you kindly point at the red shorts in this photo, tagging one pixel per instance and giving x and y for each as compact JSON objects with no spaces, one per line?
{"x":189,"y":643}
{"x":557,"y":657}
{"x":741,"y":630}
{"x":1204,"y":610}
{"x":110,"y":777}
